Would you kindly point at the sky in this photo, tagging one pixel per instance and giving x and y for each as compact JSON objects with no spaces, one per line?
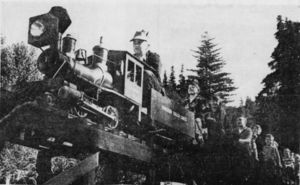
{"x":243,"y":30}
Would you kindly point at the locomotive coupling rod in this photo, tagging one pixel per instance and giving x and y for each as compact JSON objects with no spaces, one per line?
{"x":157,"y":131}
{"x":164,"y":137}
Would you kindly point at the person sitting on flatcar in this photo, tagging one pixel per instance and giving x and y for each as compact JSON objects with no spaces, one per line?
{"x":197,"y":104}
{"x":215,"y":119}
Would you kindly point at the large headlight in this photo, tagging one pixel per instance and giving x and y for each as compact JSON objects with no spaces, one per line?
{"x":37,"y":28}
{"x":43,"y":30}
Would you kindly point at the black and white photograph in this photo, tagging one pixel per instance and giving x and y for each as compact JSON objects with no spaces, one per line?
{"x":150,"y":92}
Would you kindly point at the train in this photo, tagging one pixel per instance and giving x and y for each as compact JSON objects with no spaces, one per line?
{"x":106,"y":87}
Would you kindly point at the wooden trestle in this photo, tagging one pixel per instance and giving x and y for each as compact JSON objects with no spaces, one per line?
{"x":43,"y":127}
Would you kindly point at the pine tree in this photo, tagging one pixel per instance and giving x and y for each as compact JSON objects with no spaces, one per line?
{"x":282,"y":86}
{"x":250,"y":107}
{"x":182,"y":86}
{"x":212,"y":79}
{"x":165,"y":80}
{"x":172,"y":80}
{"x":241,"y":108}
{"x":170,"y":86}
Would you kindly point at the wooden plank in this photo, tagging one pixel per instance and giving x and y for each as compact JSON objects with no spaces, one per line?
{"x":120,"y":145}
{"x":72,"y":174}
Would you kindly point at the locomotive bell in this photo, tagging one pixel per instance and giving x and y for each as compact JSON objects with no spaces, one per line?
{"x":80,"y":55}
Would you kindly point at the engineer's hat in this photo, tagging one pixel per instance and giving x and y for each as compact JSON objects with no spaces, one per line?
{"x":140,"y":35}
{"x":195,"y":82}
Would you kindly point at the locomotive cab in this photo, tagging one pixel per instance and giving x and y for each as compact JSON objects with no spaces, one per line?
{"x":161,"y":116}
{"x":134,"y":73}
{"x":128,"y":75}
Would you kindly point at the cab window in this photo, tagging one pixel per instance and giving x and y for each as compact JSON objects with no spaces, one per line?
{"x":138,"y":75}
{"x":130,"y":71}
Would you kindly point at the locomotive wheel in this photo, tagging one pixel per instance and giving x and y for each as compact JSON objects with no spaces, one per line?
{"x":79,"y":112}
{"x":113,"y":112}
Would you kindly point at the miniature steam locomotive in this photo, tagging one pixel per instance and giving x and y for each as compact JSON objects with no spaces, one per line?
{"x":106,"y":87}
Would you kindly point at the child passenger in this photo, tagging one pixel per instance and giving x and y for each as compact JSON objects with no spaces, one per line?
{"x":271,"y":162}
{"x":288,"y":165}
{"x":270,"y":152}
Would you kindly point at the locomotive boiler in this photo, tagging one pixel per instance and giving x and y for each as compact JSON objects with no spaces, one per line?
{"x":106,"y":88}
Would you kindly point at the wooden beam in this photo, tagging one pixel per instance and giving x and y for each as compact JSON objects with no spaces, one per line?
{"x":120,"y":145}
{"x":68,"y":176}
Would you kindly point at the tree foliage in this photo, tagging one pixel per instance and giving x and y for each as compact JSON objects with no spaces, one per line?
{"x":212,"y":79}
{"x":165,"y":80}
{"x":182,"y":85}
{"x":172,"y":80}
{"x":18,"y":64}
{"x":170,"y":85}
{"x":17,"y":162}
{"x":280,"y":95}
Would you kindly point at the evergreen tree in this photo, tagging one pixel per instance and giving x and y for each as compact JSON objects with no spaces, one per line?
{"x":165,"y":80}
{"x":172,"y":80}
{"x":282,"y":86}
{"x":268,"y":114}
{"x":209,"y":70}
{"x":170,"y":86}
{"x":250,"y":107}
{"x":183,"y":85}
{"x":241,"y":108}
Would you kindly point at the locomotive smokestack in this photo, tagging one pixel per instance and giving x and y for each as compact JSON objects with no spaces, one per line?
{"x":101,"y":41}
{"x":68,"y":46}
